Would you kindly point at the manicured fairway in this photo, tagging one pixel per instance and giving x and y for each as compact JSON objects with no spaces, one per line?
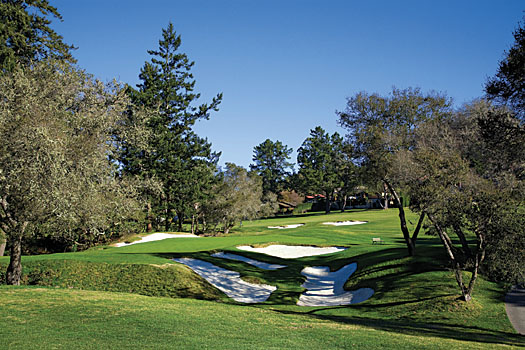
{"x":414,"y":304}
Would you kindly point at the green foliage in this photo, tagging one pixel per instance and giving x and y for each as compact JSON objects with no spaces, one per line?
{"x":56,"y":127}
{"x":237,"y":196}
{"x":507,"y":87}
{"x":26,"y":36}
{"x":302,"y":208}
{"x":318,"y":159}
{"x":179,"y":159}
{"x":271,"y":163}
{"x":380,"y":126}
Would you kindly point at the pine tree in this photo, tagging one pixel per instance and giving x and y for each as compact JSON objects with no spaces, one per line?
{"x":317,"y":163}
{"x":271,"y":162}
{"x":181,"y":160}
{"x":25,"y":34}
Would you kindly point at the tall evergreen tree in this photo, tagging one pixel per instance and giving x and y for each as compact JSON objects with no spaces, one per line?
{"x":271,"y":163}
{"x":182,"y":161}
{"x":317,"y":160}
{"x":507,"y":87}
{"x":25,"y":34}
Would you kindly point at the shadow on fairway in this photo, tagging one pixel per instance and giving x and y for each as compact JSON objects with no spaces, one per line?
{"x":422,"y":329}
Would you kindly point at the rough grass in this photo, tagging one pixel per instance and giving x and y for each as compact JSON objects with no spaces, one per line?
{"x":415,"y":304}
{"x":168,"y":280}
{"x":74,"y":319}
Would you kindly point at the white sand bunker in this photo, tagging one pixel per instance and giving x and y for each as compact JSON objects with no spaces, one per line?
{"x":156,"y":237}
{"x":282,"y":227}
{"x":325,"y":288}
{"x":345,"y":223}
{"x":256,"y":263}
{"x":291,"y":251}
{"x":229,"y":282}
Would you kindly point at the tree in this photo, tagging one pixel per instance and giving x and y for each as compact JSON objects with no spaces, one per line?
{"x":445,"y":182}
{"x":347,"y":172}
{"x":378,"y":127}
{"x":492,"y":140}
{"x":26,"y":35}
{"x":317,"y":164}
{"x":56,"y":127}
{"x":237,"y":197}
{"x":271,"y":162}
{"x":507,"y":87}
{"x":180,"y":160}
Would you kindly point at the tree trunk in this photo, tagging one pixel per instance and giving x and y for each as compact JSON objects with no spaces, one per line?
{"x":343,"y":204}
{"x":2,"y":246}
{"x":180,"y":221}
{"x":402,"y":220}
{"x":327,"y":202}
{"x":466,"y":292}
{"x":418,"y":227}
{"x":385,"y":189}
{"x":149,"y":219}
{"x":14,"y":270}
{"x":463,"y":240}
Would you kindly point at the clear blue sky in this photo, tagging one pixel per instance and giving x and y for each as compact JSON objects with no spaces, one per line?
{"x":286,"y":66}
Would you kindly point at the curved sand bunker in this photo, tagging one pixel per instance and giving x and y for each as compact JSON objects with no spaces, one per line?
{"x":291,"y":252}
{"x":229,"y":282}
{"x":256,"y":263}
{"x":325,"y":288}
{"x":156,"y":237}
{"x":344,"y":223}
{"x":282,"y":227}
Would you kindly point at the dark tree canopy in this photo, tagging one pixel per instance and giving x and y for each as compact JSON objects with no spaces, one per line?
{"x":507,"y":87}
{"x":182,"y":161}
{"x":317,"y":161}
{"x":26,"y":35}
{"x":271,"y":162}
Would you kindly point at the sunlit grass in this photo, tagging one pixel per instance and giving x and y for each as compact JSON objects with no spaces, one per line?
{"x":414,"y":306}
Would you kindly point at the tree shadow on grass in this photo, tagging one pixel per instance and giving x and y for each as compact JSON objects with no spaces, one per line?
{"x":417,"y":328}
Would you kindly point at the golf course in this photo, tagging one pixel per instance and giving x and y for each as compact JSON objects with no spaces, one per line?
{"x":138,"y":296}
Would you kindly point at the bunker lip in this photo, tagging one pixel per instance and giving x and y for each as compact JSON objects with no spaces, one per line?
{"x":156,"y":237}
{"x":283,"y":227}
{"x":326,"y":288}
{"x":345,"y":223}
{"x":256,"y":263}
{"x":323,"y":288}
{"x":229,"y":282}
{"x":291,"y":252}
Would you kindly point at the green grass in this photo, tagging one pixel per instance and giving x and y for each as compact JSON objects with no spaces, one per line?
{"x":415,"y":304}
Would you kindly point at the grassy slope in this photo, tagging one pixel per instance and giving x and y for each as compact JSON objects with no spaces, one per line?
{"x":414,"y":304}
{"x":122,"y":321}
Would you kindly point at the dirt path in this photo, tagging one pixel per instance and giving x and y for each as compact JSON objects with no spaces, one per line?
{"x":515,"y":306}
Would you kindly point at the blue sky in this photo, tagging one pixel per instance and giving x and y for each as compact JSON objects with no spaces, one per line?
{"x":286,"y":66}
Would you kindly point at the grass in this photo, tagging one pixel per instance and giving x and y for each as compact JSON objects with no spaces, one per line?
{"x":415,"y":304}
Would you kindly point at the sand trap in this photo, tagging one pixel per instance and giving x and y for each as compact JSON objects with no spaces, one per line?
{"x":259,"y":264}
{"x":229,"y":282}
{"x":345,"y":223}
{"x":155,"y":237}
{"x":282,"y":227}
{"x":291,"y":251}
{"x":325,"y":288}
